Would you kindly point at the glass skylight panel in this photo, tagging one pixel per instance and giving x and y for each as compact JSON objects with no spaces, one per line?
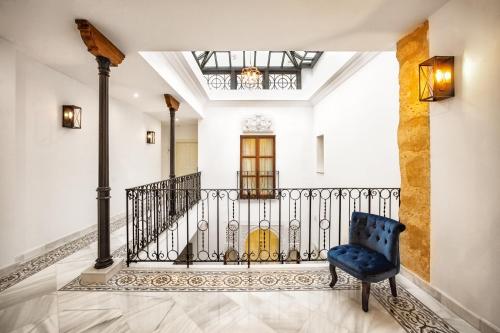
{"x":211,"y":61}
{"x":262,"y":58}
{"x":288,"y":62}
{"x":309,"y":56}
{"x":223,"y":59}
{"x":198,"y":53}
{"x":275,"y":59}
{"x":237,"y":58}
{"x":300,"y":53}
{"x":278,"y":70}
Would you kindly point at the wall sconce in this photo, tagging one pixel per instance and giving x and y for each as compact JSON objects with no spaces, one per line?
{"x":436,"y":79}
{"x":72,"y":116}
{"x":150,"y":137}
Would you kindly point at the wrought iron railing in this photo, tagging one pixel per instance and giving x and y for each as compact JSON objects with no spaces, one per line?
{"x":292,"y":226}
{"x":153,"y":207}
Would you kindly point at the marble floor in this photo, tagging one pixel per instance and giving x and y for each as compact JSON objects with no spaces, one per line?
{"x":36,"y":304}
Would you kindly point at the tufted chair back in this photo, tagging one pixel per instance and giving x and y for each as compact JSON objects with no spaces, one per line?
{"x":377,"y":233}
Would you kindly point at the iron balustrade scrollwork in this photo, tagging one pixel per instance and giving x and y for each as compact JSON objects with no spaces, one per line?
{"x":221,"y":226}
{"x":283,"y":81}
{"x":218,"y":81}
{"x":155,"y":208}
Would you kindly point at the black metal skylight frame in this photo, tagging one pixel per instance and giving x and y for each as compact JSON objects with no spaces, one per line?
{"x":225,"y":76}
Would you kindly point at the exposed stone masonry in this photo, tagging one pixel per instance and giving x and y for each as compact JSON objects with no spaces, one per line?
{"x":414,"y":154}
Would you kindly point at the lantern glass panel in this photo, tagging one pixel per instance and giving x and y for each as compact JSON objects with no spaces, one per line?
{"x":72,"y":116}
{"x":150,"y":137}
{"x":436,"y":79}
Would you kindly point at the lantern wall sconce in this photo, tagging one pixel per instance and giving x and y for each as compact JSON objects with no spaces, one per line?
{"x":150,"y":137}
{"x":436,"y":78}
{"x":72,"y":116}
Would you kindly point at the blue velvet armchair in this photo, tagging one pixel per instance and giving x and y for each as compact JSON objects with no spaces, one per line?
{"x":372,"y":254}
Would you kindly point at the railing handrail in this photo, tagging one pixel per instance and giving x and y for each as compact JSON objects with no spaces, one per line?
{"x":267,"y":189}
{"x":191,"y":175}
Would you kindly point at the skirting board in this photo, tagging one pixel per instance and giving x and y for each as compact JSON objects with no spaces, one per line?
{"x":474,"y":320}
{"x":52,"y":245}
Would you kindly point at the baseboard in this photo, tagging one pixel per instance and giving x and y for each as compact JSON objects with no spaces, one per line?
{"x":38,"y":251}
{"x":473,"y":319}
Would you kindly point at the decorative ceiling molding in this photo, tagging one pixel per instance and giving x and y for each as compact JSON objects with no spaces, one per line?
{"x":98,"y":44}
{"x":357,"y":61}
{"x":257,"y":124}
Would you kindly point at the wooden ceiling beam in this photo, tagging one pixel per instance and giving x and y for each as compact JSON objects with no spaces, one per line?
{"x":98,"y":44}
{"x":172,"y":103}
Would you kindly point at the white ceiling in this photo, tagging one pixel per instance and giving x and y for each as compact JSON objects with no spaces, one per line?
{"x":46,"y":31}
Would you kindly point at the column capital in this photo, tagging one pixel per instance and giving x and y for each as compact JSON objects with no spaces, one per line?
{"x":98,"y":44}
{"x":103,"y":64}
{"x":172,"y":103}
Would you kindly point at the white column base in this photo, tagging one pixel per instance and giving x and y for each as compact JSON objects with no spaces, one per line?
{"x":100,"y":276}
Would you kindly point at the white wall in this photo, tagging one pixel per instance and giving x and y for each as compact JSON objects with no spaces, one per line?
{"x":219,"y":142}
{"x":359,"y":121}
{"x":49,"y":173}
{"x":465,"y":158}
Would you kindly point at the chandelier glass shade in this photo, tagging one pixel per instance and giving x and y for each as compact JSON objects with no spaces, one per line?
{"x":250,"y":77}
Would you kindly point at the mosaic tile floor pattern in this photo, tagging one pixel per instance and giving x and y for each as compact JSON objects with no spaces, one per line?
{"x":44,"y":295}
{"x":192,"y":280}
{"x":37,"y":264}
{"x":408,"y":311}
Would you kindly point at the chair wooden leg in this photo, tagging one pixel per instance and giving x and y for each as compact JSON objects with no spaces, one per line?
{"x":365,"y":295}
{"x":333,"y":272}
{"x":392,"y":283}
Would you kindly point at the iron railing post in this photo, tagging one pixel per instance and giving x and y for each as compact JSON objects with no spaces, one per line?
{"x":248,"y":227}
{"x":369,"y":200}
{"x":127,"y":221}
{"x":280,"y":257}
{"x":310,"y":223}
{"x":187,"y":230}
{"x":340,"y":215}
{"x":218,"y":220}
{"x":157,"y":226}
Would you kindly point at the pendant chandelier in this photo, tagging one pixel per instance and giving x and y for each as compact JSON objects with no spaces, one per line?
{"x":250,"y":76}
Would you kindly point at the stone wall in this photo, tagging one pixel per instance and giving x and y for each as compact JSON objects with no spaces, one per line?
{"x":414,"y":154}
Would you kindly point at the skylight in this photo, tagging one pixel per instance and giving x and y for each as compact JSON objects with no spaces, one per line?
{"x":281,"y":70}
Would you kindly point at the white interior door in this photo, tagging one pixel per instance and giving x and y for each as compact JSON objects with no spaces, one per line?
{"x":186,"y":158}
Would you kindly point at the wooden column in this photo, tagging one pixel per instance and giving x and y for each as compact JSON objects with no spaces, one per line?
{"x":173,"y":106}
{"x":106,"y":55}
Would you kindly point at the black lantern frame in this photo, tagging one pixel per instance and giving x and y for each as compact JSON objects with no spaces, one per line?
{"x":150,"y":137}
{"x":72,"y":116}
{"x":436,"y":78}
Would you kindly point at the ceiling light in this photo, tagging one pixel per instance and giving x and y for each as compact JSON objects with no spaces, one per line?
{"x":136,"y":95}
{"x":250,"y":76}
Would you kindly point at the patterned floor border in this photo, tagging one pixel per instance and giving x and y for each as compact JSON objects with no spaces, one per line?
{"x":41,"y":262}
{"x":130,"y":279}
{"x":407,"y":310}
